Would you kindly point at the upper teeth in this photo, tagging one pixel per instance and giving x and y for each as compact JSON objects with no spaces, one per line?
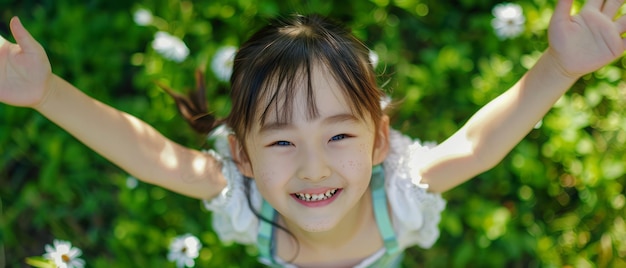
{"x":316,"y":197}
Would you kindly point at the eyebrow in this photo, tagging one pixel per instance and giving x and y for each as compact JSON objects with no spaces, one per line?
{"x":334,"y":119}
{"x":340,"y":118}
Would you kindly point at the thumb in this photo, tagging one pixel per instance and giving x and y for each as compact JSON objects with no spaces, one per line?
{"x":23,"y":37}
{"x":562,"y":10}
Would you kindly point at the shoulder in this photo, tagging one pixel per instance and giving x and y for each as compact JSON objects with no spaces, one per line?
{"x":415,"y":212}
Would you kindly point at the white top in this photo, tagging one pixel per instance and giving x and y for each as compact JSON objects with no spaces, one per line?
{"x":415,"y":212}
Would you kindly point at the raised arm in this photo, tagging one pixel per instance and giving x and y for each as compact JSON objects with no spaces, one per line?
{"x":578,"y":45}
{"x":26,"y":80}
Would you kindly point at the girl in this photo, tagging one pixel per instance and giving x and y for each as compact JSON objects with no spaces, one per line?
{"x":307,"y":147}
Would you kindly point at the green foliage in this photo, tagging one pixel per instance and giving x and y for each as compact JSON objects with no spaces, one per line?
{"x":556,"y":200}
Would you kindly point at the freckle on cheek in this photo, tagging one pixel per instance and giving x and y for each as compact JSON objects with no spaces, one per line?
{"x":352,"y":164}
{"x":264,"y":177}
{"x":270,"y":175}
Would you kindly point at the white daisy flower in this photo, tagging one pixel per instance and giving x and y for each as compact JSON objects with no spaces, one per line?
{"x":373,"y":58}
{"x":385,"y":101}
{"x":170,"y":47}
{"x":131,"y":182}
{"x":222,"y":63}
{"x":509,"y":20}
{"x":64,"y":255}
{"x":143,"y":17}
{"x":183,"y":250}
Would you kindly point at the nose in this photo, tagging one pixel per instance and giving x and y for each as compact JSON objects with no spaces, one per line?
{"x":313,"y":164}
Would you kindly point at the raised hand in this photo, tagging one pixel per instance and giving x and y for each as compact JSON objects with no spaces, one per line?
{"x":24,"y":69}
{"x":588,"y":40}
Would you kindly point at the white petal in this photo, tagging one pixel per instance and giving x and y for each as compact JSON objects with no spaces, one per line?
{"x":131,"y":182}
{"x":170,"y":47}
{"x":143,"y":17}
{"x":222,"y":63}
{"x":49,"y":249}
{"x":77,"y":263}
{"x":373,"y":58}
{"x":74,"y":252}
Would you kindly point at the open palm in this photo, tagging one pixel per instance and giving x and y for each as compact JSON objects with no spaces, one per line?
{"x":589,"y":40}
{"x":24,"y":69}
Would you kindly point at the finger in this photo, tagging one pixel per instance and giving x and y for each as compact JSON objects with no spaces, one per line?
{"x":611,"y":7}
{"x":595,"y":4}
{"x":563,"y":9}
{"x":621,"y":24}
{"x":22,"y":36}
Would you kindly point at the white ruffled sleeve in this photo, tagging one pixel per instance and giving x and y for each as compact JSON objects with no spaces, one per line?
{"x":416,"y":213}
{"x":232,"y":218}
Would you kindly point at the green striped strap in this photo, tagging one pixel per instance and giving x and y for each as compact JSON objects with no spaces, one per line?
{"x":264,"y":238}
{"x":380,"y":210}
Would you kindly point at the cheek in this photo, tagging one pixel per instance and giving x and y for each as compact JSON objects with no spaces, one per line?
{"x":357,"y":158}
{"x":270,"y":177}
{"x":364,"y":148}
{"x":264,"y":177}
{"x":353,"y":165}
{"x":264,"y":170}
{"x":356,"y":165}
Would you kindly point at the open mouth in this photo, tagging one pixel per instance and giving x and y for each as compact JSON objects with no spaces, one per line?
{"x":316,"y":197}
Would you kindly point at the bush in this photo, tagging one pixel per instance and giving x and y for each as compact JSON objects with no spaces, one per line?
{"x":556,"y":200}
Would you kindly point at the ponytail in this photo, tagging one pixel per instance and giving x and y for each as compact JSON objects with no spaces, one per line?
{"x":194,"y":107}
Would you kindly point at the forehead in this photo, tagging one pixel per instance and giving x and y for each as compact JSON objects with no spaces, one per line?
{"x":311,"y":94}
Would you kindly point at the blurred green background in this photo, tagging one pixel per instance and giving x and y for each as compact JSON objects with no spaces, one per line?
{"x":557,"y":200}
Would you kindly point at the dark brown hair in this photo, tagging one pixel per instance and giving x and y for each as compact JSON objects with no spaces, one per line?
{"x":274,"y":60}
{"x":269,"y":65}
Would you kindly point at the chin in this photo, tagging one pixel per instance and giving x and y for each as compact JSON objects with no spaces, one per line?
{"x":318,"y":226}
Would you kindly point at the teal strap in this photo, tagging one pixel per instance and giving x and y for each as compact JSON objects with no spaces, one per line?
{"x":380,"y":210}
{"x":265,"y":236}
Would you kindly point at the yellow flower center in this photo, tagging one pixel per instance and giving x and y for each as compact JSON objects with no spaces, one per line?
{"x":65,"y":258}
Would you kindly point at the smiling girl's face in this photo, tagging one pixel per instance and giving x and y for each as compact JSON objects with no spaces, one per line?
{"x":314,"y":170}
